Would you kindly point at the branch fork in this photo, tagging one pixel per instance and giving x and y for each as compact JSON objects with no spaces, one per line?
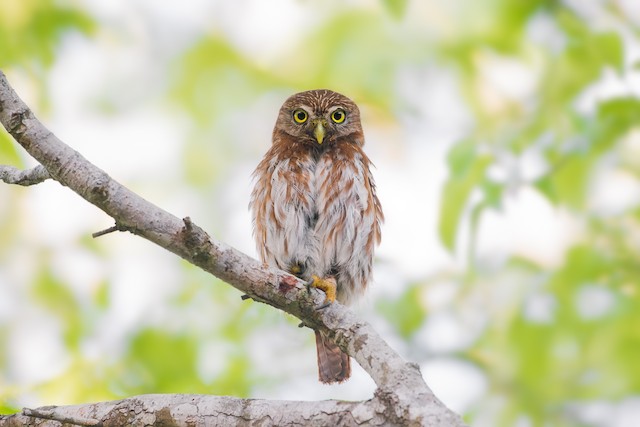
{"x":13,"y":175}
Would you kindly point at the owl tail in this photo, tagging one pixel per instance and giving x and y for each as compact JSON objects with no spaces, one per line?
{"x":334,"y":366}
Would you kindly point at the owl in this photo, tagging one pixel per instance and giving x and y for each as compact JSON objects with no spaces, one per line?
{"x":314,"y":206}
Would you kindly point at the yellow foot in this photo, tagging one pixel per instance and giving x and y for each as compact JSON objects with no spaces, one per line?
{"x":327,"y":285}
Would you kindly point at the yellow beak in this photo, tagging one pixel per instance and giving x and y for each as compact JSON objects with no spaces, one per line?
{"x":319,"y":132}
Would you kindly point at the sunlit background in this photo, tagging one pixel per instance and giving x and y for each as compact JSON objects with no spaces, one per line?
{"x":506,"y":139}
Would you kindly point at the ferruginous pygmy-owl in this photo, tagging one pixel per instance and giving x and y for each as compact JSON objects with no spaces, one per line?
{"x":314,"y":205}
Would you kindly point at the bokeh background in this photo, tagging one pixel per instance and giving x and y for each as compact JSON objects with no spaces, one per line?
{"x":506,"y":138}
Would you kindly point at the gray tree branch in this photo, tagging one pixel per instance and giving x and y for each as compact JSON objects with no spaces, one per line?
{"x":202,"y":410}
{"x":12,"y":175}
{"x":402,"y":397}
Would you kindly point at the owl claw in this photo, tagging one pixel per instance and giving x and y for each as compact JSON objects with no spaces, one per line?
{"x":327,"y":285}
{"x":324,"y":305}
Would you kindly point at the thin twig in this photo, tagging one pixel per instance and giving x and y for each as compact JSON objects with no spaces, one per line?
{"x":105,"y":231}
{"x":48,"y":413}
{"x":27,"y":177}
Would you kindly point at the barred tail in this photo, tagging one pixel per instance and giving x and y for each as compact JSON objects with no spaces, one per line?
{"x":334,"y":366}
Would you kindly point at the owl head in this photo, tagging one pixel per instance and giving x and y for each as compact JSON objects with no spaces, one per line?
{"x":320,"y":118}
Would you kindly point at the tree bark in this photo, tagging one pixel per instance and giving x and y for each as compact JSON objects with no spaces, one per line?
{"x":402,"y":397}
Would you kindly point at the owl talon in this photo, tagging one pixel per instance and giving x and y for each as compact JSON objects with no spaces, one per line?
{"x":328,"y":286}
{"x":324,"y":305}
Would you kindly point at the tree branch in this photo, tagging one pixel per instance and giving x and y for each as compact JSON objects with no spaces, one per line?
{"x":11,"y":175}
{"x":402,"y":397}
{"x":200,"y":410}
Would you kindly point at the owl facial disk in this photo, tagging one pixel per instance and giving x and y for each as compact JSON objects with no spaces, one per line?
{"x":319,"y":130}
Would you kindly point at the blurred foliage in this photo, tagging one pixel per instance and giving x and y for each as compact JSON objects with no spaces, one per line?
{"x":536,"y":365}
{"x":405,"y":313}
{"x":396,"y":8}
{"x":214,"y":65}
{"x":31,"y":31}
{"x":8,"y":150}
{"x":575,"y":355}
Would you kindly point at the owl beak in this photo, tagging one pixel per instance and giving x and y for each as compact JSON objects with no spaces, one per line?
{"x":319,"y":132}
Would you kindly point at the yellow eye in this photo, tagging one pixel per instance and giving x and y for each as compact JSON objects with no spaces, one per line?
{"x":338,"y":116}
{"x":300,"y":116}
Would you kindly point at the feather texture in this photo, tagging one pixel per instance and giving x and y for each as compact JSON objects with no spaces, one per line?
{"x":314,"y":205}
{"x":333,"y":364}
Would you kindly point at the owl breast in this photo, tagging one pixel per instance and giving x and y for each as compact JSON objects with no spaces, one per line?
{"x":318,"y":214}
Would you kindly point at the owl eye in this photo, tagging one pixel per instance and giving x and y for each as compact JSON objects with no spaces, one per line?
{"x":338,"y":116}
{"x":300,"y":116}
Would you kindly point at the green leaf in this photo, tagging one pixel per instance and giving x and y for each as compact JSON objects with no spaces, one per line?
{"x":213,"y":78}
{"x":405,"y":313}
{"x":234,"y":379}
{"x":620,"y":114}
{"x":58,"y":298}
{"x":102,"y":295}
{"x":570,"y":180}
{"x":584,"y":263}
{"x":31,"y":30}
{"x":492,"y":193}
{"x":396,"y":8}
{"x":7,"y":409}
{"x":160,"y":362}
{"x":594,"y":49}
{"x":369,"y":74}
{"x":8,"y":151}
{"x":467,"y":171}
{"x":461,"y":157}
